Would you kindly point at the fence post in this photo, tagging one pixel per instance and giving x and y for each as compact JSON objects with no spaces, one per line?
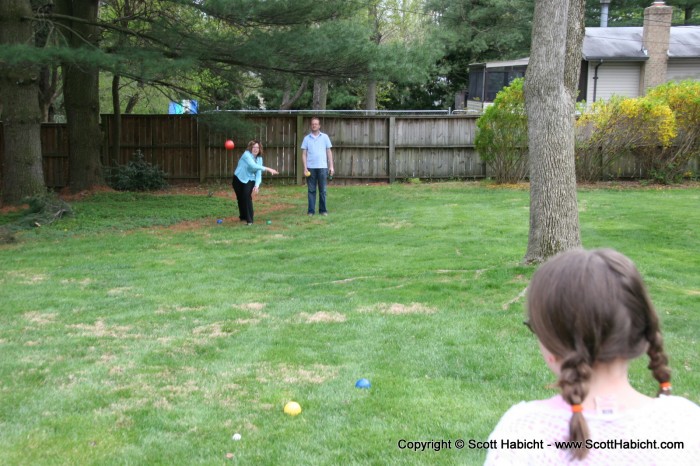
{"x":392,"y":150}
{"x":202,"y":149}
{"x":297,"y":149}
{"x":105,"y":125}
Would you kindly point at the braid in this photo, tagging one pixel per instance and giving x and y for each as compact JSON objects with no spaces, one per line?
{"x":642,"y":314}
{"x":574,"y":382}
{"x":658,"y":361}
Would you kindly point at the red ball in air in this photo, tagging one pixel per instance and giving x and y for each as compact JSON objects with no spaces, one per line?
{"x":229,"y":145}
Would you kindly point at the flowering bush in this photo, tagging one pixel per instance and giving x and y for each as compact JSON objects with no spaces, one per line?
{"x":661,"y":130}
{"x":683,"y":98}
{"x":618,"y":127}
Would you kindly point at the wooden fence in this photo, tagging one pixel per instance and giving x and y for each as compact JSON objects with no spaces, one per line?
{"x":54,"y":148}
{"x":190,"y":148}
{"x":365,"y":148}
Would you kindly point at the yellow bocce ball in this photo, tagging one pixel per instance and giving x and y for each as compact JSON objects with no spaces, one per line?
{"x":292,"y":408}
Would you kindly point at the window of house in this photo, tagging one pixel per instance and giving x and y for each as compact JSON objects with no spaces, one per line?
{"x":476,"y":84}
{"x":497,"y":80}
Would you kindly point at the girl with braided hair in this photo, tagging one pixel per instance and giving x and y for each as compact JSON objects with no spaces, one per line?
{"x":592,"y":315}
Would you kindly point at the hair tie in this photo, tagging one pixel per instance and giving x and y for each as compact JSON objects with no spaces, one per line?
{"x":576,"y":408}
{"x":665,"y":385}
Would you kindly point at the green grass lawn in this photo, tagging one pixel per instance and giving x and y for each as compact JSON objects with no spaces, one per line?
{"x":140,"y":331}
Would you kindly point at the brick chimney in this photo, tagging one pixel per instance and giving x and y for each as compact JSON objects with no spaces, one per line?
{"x":657,"y":30}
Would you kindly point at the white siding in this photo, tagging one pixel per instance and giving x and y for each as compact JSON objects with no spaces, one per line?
{"x":686,"y":69}
{"x":614,"y":78}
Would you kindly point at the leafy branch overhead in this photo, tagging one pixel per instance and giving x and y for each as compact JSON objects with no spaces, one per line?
{"x":306,"y":38}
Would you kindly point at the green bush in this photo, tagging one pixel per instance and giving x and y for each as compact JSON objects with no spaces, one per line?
{"x":501,"y":139}
{"x":137,"y":175}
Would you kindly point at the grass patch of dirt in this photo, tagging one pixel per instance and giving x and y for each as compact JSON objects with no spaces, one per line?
{"x":322,"y":316}
{"x":399,"y":309}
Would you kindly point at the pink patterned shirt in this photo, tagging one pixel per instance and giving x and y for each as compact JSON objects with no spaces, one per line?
{"x":665,"y":431}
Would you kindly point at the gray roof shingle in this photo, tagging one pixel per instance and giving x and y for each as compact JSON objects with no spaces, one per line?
{"x":625,"y":43}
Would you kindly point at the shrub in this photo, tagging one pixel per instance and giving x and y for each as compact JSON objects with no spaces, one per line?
{"x":641,"y":126}
{"x":501,"y":139}
{"x":683,"y":98}
{"x":137,"y":175}
{"x":661,"y":130}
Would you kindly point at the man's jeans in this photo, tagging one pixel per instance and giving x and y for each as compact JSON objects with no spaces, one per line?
{"x":319,"y":177}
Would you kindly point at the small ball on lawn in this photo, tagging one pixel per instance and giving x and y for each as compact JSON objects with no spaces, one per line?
{"x":236,"y":436}
{"x":363,"y":383}
{"x":292,"y":408}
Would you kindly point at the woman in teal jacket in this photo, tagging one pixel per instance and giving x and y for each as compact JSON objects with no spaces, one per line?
{"x":247,"y":179}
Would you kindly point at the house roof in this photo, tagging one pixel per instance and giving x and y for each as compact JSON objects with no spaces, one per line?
{"x":502,"y":64}
{"x":684,"y":42}
{"x":625,"y":43}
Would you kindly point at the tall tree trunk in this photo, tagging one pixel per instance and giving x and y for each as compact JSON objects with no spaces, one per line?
{"x":48,"y":92}
{"x":554,"y":225}
{"x":81,"y":98}
{"x":133,"y":100}
{"x":371,"y":98}
{"x":288,"y":101}
{"x":44,"y":32}
{"x":116,"y":121}
{"x":320,"y":94}
{"x":375,"y":37}
{"x":688,"y":15}
{"x":22,"y":171}
{"x":576,"y":30}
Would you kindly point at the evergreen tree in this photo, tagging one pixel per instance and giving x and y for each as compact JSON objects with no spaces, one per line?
{"x":240,"y":37}
{"x":476,"y":31}
{"x":22,"y":172}
{"x":81,"y":93}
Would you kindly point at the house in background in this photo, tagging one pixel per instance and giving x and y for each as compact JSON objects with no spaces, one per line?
{"x":486,"y":79}
{"x":623,"y":61}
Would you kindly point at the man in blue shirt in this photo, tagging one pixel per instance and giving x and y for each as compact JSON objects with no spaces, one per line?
{"x":318,"y":164}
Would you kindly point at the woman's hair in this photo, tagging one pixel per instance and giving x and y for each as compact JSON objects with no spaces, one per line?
{"x":252,"y":143}
{"x":588,"y":307}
